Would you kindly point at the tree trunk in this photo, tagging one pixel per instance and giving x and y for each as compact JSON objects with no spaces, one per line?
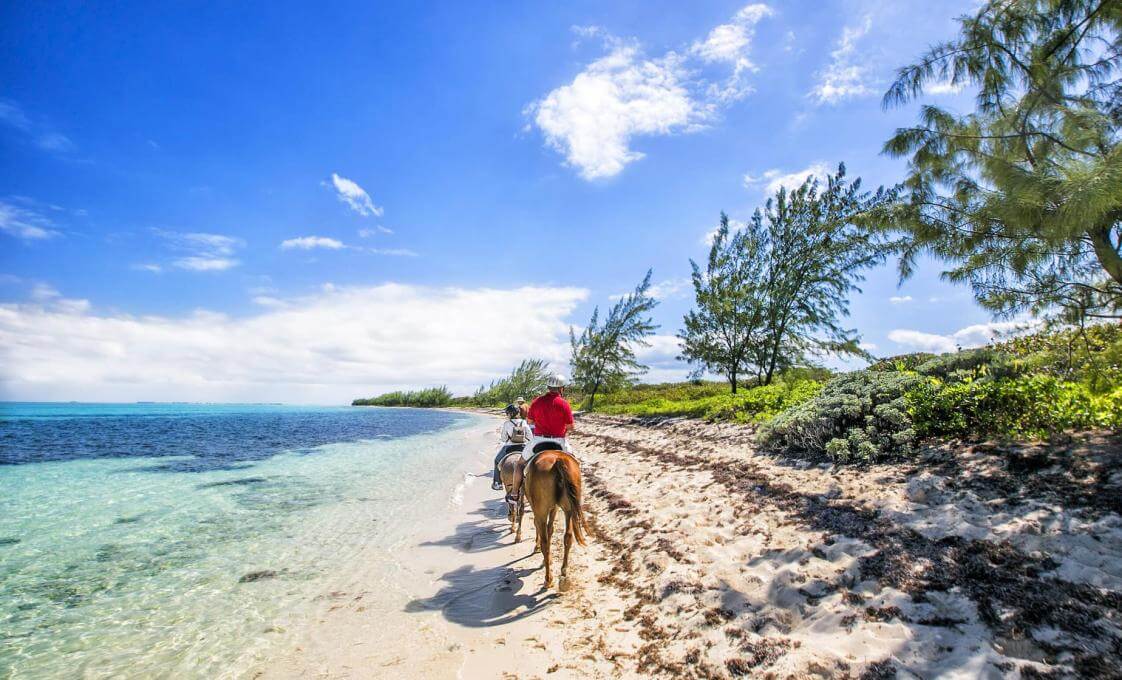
{"x":732,"y":380}
{"x":1107,"y":252}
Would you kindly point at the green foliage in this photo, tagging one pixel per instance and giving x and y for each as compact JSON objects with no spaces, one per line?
{"x":712,"y":401}
{"x":858,"y":416}
{"x":1033,"y":406}
{"x":527,"y":380}
{"x":602,"y":357}
{"x":1021,"y":195}
{"x":428,"y":398}
{"x":1091,"y":355}
{"x":774,"y":292}
{"x":971,"y":364}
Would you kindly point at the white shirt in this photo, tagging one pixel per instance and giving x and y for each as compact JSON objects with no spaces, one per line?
{"x":508,"y":430}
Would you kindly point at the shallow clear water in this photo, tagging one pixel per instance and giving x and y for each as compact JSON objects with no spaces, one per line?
{"x":165,"y":540}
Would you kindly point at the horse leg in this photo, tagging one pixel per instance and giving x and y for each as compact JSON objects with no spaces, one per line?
{"x":519,"y":505}
{"x":545,"y":536}
{"x":568,"y":546}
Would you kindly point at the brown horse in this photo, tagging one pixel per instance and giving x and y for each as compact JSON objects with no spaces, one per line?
{"x":511,"y":469}
{"x":553,"y":481}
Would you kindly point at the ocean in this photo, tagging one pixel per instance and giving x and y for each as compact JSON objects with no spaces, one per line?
{"x":173,"y":540}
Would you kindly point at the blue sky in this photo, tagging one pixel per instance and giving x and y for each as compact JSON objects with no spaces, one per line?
{"x":297,"y":203}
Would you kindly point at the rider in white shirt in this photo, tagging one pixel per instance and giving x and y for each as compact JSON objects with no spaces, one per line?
{"x":513,"y":436}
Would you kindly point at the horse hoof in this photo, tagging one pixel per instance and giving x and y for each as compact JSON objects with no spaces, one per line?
{"x":564,"y":584}
{"x":549,"y":584}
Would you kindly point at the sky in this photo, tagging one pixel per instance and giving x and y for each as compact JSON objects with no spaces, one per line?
{"x":309,"y":203}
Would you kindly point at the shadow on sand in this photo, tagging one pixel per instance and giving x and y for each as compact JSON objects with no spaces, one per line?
{"x":491,"y":596}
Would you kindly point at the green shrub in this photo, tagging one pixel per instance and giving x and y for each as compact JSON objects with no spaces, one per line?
{"x":902,"y":362}
{"x":972,"y":364}
{"x":856,"y":416}
{"x":432,"y":397}
{"x":1091,"y":355}
{"x":761,"y":403}
{"x":754,"y":404}
{"x":1033,"y":406}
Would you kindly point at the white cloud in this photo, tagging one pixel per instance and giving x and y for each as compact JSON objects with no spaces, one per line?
{"x":25,"y":223}
{"x":900,"y":299}
{"x":368,"y":233}
{"x":945,"y":87}
{"x":41,"y":292}
{"x":774,"y":179}
{"x":665,"y":290}
{"x":310,"y":242}
{"x":55,"y":141}
{"x":845,"y":77}
{"x":382,"y":337}
{"x":593,"y":119}
{"x":391,"y":252}
{"x":349,"y":192}
{"x":38,"y":132}
{"x":198,"y":263}
{"x":661,"y":357}
{"x":623,"y":95}
{"x":965,"y":338}
{"x":730,"y":42}
{"x":203,"y":252}
{"x":148,"y":267}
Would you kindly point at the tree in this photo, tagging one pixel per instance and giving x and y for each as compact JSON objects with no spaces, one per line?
{"x":774,"y":293}
{"x":1023,"y":196}
{"x":818,"y":248}
{"x":526,"y":379}
{"x":719,"y":334}
{"x":602,"y":356}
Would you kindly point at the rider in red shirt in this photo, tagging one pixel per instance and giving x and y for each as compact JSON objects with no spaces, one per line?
{"x":551,"y":416}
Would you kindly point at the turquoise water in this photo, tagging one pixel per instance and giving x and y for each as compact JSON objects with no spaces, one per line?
{"x":164,"y":540}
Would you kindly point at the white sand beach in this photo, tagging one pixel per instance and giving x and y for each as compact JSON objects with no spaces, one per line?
{"x":711,"y":560}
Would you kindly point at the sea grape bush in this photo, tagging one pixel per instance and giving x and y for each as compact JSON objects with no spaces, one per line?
{"x":1033,"y":406}
{"x":859,"y":416}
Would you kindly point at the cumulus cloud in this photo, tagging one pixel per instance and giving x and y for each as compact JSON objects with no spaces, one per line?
{"x":310,"y":242}
{"x":377,"y":338}
{"x":845,"y":77}
{"x":774,"y":179}
{"x":349,"y":192}
{"x":964,"y":338}
{"x":661,"y":357}
{"x":24,"y":223}
{"x":624,"y":94}
{"x":900,"y":299}
{"x":203,"y":252}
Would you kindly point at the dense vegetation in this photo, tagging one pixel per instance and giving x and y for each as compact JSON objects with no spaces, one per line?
{"x":1029,"y":387}
{"x":432,"y":397}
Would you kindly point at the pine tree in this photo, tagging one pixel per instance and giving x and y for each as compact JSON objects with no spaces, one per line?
{"x":603,"y":358}
{"x":1023,"y":196}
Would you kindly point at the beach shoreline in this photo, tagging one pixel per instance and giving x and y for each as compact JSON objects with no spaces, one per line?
{"x":711,"y":559}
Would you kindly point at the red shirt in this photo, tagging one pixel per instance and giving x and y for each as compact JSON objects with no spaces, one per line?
{"x":551,"y":414}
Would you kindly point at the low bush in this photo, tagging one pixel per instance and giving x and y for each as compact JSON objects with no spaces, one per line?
{"x":434,"y":396}
{"x":1032,"y":406}
{"x":857,"y":416}
{"x":754,"y":404}
{"x":973,"y":364}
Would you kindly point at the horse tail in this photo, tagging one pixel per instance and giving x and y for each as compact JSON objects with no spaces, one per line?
{"x":571,"y":491}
